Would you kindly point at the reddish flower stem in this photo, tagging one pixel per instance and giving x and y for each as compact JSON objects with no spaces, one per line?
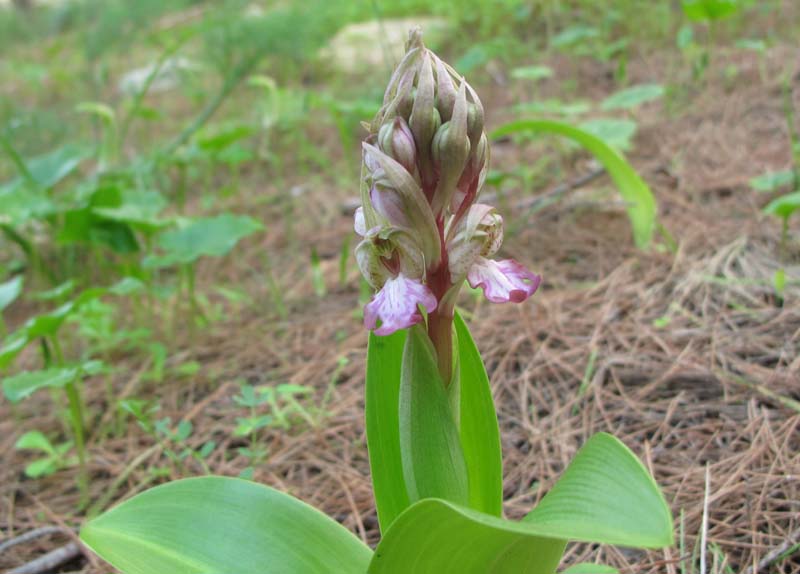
{"x":440,"y":322}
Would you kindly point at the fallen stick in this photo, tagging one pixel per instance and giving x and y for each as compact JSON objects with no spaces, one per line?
{"x":49,"y":561}
{"x":28,"y":536}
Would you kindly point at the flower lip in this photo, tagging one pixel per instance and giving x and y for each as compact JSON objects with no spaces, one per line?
{"x":503,"y":281}
{"x":397,"y":305}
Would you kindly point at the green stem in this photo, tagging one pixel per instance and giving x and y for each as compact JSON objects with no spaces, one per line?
{"x":76,"y":422}
{"x":76,"y":419}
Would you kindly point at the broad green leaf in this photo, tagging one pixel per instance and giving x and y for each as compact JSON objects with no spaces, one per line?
{"x":709,"y":10}
{"x":59,"y":292}
{"x":19,"y":203}
{"x":480,"y":435}
{"x":225,"y":526}
{"x":48,"y":324}
{"x":211,"y":236}
{"x":772,"y":180}
{"x":12,"y":347}
{"x":22,"y":385}
{"x":49,"y":169}
{"x":430,"y":447}
{"x":437,"y":537}
{"x":384,"y":359}
{"x":641,"y":205}
{"x":633,"y":97}
{"x":784,"y":206}
{"x":618,"y":133}
{"x":138,"y":207}
{"x":605,"y":495}
{"x":35,"y":440}
{"x":590,"y":569}
{"x":42,"y":467}
{"x":9,"y":291}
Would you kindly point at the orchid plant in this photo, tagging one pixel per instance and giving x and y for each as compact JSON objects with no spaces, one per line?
{"x":432,"y":429}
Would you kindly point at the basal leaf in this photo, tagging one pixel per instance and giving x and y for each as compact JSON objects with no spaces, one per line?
{"x":384,"y":357}
{"x":480,"y":435}
{"x":641,"y":205}
{"x":438,"y":537}
{"x":605,"y":495}
{"x":223,"y":525}
{"x":430,"y":447}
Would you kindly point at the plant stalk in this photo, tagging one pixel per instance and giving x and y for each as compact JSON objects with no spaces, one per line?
{"x":76,"y":420}
{"x":440,"y":331}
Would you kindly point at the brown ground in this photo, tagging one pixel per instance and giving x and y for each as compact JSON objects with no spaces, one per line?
{"x":696,"y":362}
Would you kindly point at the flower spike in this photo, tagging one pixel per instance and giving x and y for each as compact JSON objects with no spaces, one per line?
{"x":424,"y":232}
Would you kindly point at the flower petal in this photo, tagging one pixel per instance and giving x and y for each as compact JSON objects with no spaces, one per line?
{"x":397,"y":305}
{"x":503,"y":281}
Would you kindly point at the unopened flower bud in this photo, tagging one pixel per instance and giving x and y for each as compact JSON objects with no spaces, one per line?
{"x":450,"y":152}
{"x":446,"y":91}
{"x":474,"y":123}
{"x":396,"y":140}
{"x":389,"y":204}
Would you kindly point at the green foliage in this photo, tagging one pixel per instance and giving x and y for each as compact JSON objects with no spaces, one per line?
{"x":209,"y":237}
{"x":53,"y":459}
{"x":430,"y":447}
{"x":606,"y":495}
{"x":532,"y":73}
{"x":24,"y":384}
{"x":641,"y":205}
{"x":633,"y":97}
{"x":784,"y":206}
{"x":617,"y":133}
{"x":772,"y":180}
{"x":709,"y":10}
{"x":384,"y":357}
{"x":480,"y":434}
{"x":177,"y":527}
{"x":9,"y":291}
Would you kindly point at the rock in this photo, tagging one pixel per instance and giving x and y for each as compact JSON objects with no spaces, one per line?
{"x":367,"y":45}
